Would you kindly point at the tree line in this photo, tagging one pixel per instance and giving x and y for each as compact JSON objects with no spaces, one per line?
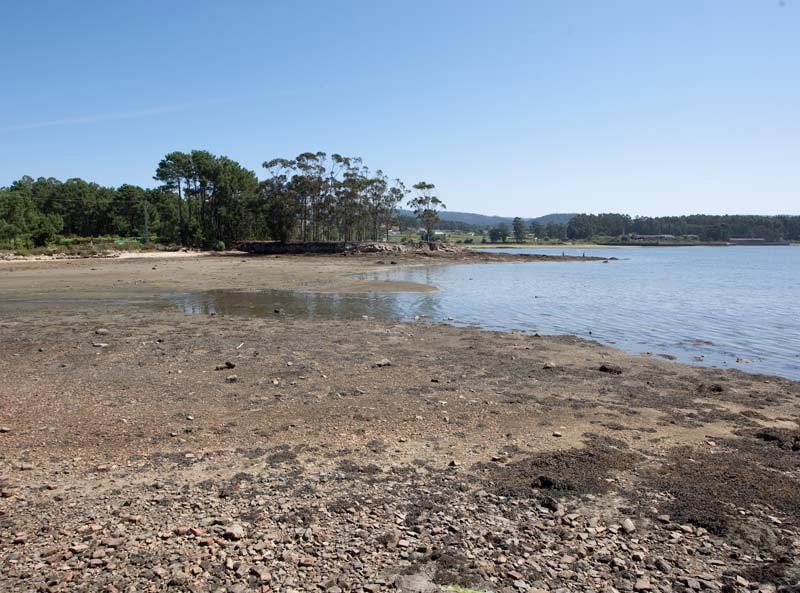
{"x":206,"y":200}
{"x":703,"y":227}
{"x":700,"y":227}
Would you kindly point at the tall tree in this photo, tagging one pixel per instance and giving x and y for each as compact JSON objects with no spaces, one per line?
{"x":426,"y":207}
{"x":519,"y":230}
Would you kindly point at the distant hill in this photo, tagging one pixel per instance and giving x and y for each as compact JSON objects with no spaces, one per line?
{"x":484,"y":220}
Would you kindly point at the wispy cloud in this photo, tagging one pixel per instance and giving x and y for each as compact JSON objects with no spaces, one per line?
{"x":103,"y":117}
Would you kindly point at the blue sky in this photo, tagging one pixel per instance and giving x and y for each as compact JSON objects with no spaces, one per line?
{"x":509,"y":107}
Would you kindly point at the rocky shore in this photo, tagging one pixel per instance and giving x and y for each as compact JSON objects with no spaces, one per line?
{"x":148,"y":450}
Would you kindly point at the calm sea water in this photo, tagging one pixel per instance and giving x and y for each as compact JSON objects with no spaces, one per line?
{"x":731,"y":307}
{"x":702,"y":305}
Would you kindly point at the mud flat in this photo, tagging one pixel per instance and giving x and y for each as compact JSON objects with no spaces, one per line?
{"x":142,"y":449}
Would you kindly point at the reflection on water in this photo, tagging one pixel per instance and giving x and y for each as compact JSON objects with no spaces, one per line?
{"x":267,"y":303}
{"x":735,"y":307}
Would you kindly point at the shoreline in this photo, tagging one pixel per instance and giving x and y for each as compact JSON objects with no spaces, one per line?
{"x":370,"y":455}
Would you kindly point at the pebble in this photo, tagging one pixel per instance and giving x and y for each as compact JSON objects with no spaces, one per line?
{"x":235,"y":532}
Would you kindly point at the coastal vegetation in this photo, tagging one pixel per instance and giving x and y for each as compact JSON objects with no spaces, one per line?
{"x":210,"y":201}
{"x":207,"y":201}
{"x":601,"y":228}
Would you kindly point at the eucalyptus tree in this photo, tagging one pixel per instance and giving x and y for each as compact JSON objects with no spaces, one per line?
{"x":392,"y":198}
{"x":348,"y":198}
{"x":426,"y":207}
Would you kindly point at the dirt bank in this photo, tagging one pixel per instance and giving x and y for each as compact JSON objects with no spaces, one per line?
{"x":149,"y":450}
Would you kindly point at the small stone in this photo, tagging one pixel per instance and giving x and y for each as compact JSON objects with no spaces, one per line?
{"x":628,"y":526}
{"x":231,"y":379}
{"x":101,"y":331}
{"x":642,"y":585}
{"x":557,"y":434}
{"x":234,"y":532}
{"x":225,"y":365}
{"x":99,"y":344}
{"x":306,"y":561}
{"x":610,"y":368}
{"x":383,"y":362}
{"x":262,"y":572}
{"x":4,"y":429}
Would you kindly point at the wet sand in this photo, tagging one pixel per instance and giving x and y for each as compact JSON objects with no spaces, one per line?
{"x":150,"y":449}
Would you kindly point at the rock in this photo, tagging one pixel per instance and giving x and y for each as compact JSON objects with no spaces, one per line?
{"x":642,"y":585}
{"x":628,"y":526}
{"x":4,"y":429}
{"x":101,"y":331}
{"x":99,"y":344}
{"x":610,"y":368}
{"x":557,"y":434}
{"x":262,"y":572}
{"x":662,"y":565}
{"x":549,"y":365}
{"x":225,"y":365}
{"x":231,"y":379}
{"x":179,"y":579}
{"x":235,"y":531}
{"x":161,"y":572}
{"x":384,"y":362}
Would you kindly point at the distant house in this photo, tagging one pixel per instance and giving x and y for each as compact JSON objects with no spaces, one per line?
{"x":652,"y":237}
